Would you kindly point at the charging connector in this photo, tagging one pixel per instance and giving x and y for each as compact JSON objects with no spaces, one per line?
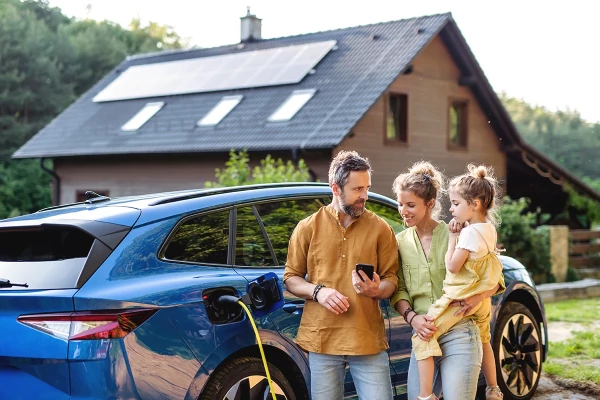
{"x":233,"y":299}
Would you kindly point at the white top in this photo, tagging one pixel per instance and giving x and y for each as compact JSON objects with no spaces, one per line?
{"x":479,"y":239}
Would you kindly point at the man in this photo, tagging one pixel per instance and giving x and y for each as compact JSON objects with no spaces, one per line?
{"x":342,"y":322}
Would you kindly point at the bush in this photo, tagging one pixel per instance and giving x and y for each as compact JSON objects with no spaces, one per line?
{"x":518,"y":235}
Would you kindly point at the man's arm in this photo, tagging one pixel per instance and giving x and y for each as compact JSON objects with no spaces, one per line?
{"x":329,"y":298}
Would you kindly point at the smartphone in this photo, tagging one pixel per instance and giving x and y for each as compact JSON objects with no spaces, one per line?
{"x":368,"y":269}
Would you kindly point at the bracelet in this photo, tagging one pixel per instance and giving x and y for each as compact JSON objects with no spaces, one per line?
{"x":413,"y":317}
{"x":408,"y":309}
{"x":316,"y":291}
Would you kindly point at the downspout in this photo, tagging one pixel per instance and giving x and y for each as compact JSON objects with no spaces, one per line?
{"x":56,"y":181}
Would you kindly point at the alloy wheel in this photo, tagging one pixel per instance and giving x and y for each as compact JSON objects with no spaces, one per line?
{"x":520,"y":355}
{"x":253,"y":387}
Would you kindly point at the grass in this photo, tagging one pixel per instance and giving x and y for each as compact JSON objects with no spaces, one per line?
{"x":577,"y":358}
{"x":576,"y":310}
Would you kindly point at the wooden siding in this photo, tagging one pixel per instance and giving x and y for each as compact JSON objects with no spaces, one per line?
{"x":150,"y":174}
{"x":431,"y":87}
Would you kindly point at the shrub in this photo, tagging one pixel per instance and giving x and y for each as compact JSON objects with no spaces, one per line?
{"x":519,"y":236}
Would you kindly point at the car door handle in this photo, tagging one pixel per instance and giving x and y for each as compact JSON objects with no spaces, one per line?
{"x":294,"y":307}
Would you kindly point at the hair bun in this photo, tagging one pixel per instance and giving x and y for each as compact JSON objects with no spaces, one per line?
{"x":478,"y":171}
{"x":423,"y":168}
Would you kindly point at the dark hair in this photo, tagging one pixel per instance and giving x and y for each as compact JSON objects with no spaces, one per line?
{"x":344,"y":163}
{"x":479,"y":184}
{"x":425,"y":181}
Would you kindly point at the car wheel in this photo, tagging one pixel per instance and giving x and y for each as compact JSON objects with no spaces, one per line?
{"x":245,"y":378}
{"x":518,"y":351}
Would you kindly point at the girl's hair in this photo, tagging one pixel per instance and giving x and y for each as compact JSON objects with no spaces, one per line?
{"x":479,"y":184}
{"x":425,"y":181}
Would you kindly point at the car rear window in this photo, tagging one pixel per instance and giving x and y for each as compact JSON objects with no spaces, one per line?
{"x":45,"y":257}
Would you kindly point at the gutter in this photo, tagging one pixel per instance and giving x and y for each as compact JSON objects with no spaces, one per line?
{"x":52,"y":173}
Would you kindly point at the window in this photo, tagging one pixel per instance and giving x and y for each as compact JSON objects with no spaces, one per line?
{"x":280,"y":218}
{"x":292,"y":105}
{"x":142,"y":116}
{"x":251,"y":248}
{"x":458,"y":124}
{"x":203,"y":239}
{"x":220,"y":111}
{"x":80,"y":194}
{"x":397,"y":118}
{"x":389,"y":214}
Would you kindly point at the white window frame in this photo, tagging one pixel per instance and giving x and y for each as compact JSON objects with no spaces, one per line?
{"x":220,"y":110}
{"x":292,"y":105}
{"x":142,"y":116}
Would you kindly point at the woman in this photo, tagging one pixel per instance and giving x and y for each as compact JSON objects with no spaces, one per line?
{"x":422,"y":248}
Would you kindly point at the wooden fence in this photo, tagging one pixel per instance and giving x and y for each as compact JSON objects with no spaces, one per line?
{"x":584,"y":252}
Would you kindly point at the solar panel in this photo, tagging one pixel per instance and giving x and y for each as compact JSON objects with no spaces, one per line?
{"x":270,"y":67}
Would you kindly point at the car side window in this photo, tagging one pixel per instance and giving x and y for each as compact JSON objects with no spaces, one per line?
{"x":251,"y":248}
{"x":280,"y":218}
{"x":389,"y":214}
{"x":202,"y":239}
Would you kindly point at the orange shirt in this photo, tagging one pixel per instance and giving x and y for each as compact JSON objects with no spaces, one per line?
{"x":323,"y":249}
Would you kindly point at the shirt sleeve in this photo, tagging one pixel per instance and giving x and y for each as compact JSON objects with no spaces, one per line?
{"x":468,"y":240}
{"x":401,"y":291}
{"x":296,"y":263}
{"x":387,"y":255}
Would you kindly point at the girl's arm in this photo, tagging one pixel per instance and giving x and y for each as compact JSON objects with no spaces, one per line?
{"x":455,"y":258}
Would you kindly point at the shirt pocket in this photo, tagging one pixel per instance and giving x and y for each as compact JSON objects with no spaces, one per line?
{"x":411,"y":276}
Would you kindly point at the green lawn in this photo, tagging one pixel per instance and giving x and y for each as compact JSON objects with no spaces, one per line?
{"x":577,"y":310}
{"x":577,"y":358}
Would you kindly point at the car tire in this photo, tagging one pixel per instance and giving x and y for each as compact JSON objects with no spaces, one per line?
{"x":518,"y":351}
{"x":245,"y":378}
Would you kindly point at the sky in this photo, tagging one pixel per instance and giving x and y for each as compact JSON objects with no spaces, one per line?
{"x":538,"y":51}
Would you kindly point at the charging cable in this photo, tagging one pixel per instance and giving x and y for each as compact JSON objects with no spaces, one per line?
{"x":233,"y":299}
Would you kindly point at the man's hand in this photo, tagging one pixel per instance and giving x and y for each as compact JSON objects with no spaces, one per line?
{"x":333,"y":300}
{"x":369,"y":288}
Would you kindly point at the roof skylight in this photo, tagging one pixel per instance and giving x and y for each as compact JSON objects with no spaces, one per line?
{"x":292,"y":105}
{"x":220,"y":111}
{"x":139,"y":119}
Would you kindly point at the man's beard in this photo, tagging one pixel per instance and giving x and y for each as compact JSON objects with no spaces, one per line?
{"x":354,"y":210}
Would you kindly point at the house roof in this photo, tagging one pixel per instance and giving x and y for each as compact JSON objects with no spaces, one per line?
{"x":348,"y":80}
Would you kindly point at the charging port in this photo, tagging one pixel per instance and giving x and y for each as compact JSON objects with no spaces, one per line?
{"x":219,"y":312}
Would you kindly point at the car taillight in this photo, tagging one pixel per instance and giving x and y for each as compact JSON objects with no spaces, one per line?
{"x":88,"y":325}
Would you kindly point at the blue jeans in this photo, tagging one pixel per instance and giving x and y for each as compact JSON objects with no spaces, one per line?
{"x":457,"y":369}
{"x":371,"y":376}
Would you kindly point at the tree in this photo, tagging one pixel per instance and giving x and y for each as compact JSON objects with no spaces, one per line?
{"x":237,"y":172}
{"x":48,"y":60}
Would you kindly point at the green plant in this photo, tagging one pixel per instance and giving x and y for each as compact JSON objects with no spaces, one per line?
{"x":519,"y":236}
{"x":237,"y":171}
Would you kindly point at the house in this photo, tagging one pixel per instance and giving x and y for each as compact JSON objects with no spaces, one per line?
{"x":397,"y":92}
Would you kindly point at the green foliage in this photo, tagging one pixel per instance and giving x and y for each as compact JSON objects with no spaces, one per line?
{"x":523,"y":241}
{"x":574,"y":310}
{"x":590,"y":207}
{"x":237,"y":171}
{"x":562,"y":135}
{"x":48,"y":60}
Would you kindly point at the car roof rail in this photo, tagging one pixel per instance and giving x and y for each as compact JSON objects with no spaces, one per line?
{"x":232,"y":189}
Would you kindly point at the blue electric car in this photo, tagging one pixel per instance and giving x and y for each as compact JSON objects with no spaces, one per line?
{"x":117,"y":299}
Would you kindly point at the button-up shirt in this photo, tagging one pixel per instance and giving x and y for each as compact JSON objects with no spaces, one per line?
{"x":420,"y":280}
{"x":322,"y":251}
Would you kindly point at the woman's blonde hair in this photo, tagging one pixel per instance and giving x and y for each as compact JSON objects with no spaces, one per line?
{"x":479,"y":184}
{"x":425,"y":181}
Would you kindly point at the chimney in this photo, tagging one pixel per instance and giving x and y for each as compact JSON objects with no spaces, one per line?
{"x":251,"y":27}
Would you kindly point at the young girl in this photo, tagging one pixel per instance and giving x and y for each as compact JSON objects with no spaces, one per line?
{"x":472,"y":267}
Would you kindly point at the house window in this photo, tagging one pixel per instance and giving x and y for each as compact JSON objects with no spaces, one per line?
{"x":292,"y":105}
{"x":458,"y":124}
{"x":142,"y":116}
{"x":80,"y":194}
{"x":397,"y":118}
{"x":220,"y":111}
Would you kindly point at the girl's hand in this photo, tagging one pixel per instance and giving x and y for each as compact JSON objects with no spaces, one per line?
{"x":466,"y":305}
{"x":454,"y":227}
{"x":423,"y":326}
